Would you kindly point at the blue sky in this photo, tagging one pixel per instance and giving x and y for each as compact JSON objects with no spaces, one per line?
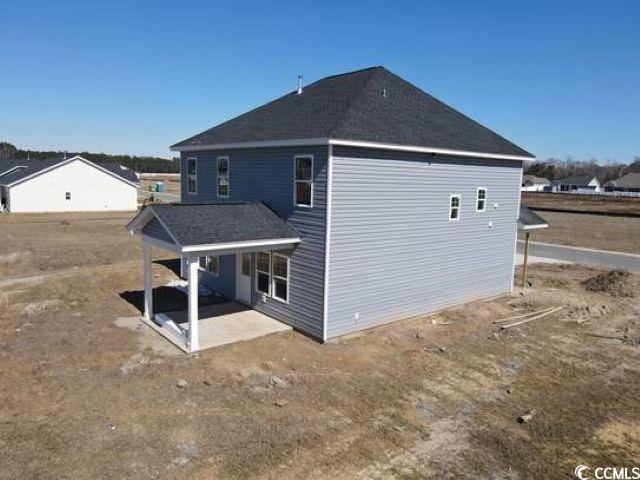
{"x":558,"y":78}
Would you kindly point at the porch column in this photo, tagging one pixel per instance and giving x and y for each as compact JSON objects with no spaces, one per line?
{"x":192,"y":281}
{"x":148,"y":281}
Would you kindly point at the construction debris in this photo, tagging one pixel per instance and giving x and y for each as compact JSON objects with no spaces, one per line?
{"x":536,"y":317}
{"x":616,"y":283}
{"x":524,"y":315}
{"x":527,"y":416}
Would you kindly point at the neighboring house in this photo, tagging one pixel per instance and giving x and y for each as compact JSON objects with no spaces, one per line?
{"x":71,"y":184}
{"x":577,"y":183}
{"x":351,"y":203}
{"x":531,"y":183}
{"x":629,"y":183}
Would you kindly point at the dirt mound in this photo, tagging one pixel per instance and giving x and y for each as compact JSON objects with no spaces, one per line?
{"x":616,"y":283}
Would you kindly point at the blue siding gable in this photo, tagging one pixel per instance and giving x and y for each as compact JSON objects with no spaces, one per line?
{"x":267,"y":175}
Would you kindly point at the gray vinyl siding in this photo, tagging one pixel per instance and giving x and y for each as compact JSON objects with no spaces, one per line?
{"x":267,"y":175}
{"x":393,"y":251}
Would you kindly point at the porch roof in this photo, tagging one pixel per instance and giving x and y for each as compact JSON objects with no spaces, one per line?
{"x":529,"y":220}
{"x":184,"y":227}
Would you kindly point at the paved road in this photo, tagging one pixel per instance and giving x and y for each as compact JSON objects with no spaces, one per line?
{"x":599,"y":258}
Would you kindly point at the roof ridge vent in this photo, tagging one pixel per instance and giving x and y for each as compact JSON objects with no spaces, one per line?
{"x":299,"y":91}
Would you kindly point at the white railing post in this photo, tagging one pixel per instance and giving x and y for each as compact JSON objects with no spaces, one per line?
{"x":193,"y":303}
{"x":148,"y":280}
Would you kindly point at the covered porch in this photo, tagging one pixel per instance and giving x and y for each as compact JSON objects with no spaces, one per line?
{"x":198,"y":231}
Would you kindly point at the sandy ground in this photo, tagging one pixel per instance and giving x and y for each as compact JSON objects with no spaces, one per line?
{"x":582,"y":202}
{"x":86,"y":391}
{"x":621,"y":234}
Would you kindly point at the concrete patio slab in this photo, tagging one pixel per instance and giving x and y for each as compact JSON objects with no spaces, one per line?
{"x":218,"y":325}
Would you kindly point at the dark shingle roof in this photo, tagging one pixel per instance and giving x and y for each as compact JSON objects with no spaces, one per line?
{"x":32,"y":166}
{"x":528,"y":219}
{"x":372,"y":105}
{"x":211,"y":223}
{"x":630,"y":180}
{"x":578,"y":179}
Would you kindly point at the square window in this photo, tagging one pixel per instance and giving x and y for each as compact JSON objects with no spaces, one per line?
{"x":303,"y":168}
{"x":280,"y":289}
{"x":279,"y":266}
{"x":303,"y":193}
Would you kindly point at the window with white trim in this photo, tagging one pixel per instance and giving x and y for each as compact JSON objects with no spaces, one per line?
{"x":481,"y":199}
{"x":223,"y":177}
{"x":210,"y":263}
{"x":303,"y":180}
{"x":192,"y":175}
{"x":263,"y":272}
{"x":280,"y":273}
{"x":454,"y":207}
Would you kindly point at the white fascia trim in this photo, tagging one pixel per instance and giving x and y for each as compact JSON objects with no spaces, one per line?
{"x":327,"y":244}
{"x":349,"y":143}
{"x":438,"y":151}
{"x":69,"y":160}
{"x":232,"y":245}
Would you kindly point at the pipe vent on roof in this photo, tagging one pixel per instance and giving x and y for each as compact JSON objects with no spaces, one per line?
{"x":299,"y":91}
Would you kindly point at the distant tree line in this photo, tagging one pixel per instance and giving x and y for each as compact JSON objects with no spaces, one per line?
{"x":138,"y":164}
{"x":553,"y":169}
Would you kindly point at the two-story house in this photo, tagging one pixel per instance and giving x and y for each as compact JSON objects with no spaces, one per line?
{"x":353,"y":202}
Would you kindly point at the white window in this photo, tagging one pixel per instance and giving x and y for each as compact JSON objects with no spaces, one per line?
{"x":454,"y":207}
{"x":192,"y":175}
{"x":210,"y":264}
{"x":280,"y":271}
{"x":303,"y":180}
{"x":263,"y":272}
{"x":223,"y":177}
{"x":481,"y":199}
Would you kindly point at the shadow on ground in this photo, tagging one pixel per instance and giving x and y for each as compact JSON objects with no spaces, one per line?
{"x":166,"y":299}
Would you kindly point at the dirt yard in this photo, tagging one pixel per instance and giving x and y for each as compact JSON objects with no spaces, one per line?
{"x":621,"y":234}
{"x":572,"y":202}
{"x":87,"y":391}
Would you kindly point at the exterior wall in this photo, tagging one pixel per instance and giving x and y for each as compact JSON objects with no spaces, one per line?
{"x":394,"y":253}
{"x":91,"y":190}
{"x":267,"y":175}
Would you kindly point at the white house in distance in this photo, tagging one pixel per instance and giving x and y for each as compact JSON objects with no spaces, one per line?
{"x":577,"y":183}
{"x":531,"y":183}
{"x":71,"y":184}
